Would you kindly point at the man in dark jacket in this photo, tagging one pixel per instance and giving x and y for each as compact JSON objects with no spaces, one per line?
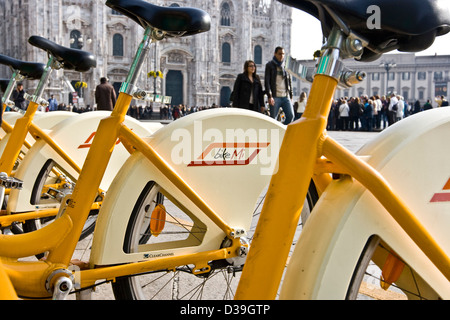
{"x":105,"y":95}
{"x":278,"y":86}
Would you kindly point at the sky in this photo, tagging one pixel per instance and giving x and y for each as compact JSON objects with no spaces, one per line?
{"x":307,"y":38}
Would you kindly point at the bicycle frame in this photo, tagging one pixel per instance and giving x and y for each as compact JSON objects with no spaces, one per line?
{"x":61,"y":236}
{"x":279,"y":216}
{"x":22,"y":127}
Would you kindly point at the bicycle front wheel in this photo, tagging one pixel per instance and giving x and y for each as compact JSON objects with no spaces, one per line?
{"x":219,"y":283}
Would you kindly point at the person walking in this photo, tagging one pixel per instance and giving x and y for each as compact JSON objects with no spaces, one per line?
{"x":369,"y":106}
{"x":248,"y":91}
{"x":105,"y":95}
{"x":392,"y":110}
{"x":384,"y":111}
{"x":301,"y":105}
{"x":354,"y":113}
{"x":52,"y":104}
{"x":278,"y":86}
{"x":400,"y":107}
{"x":427,"y":105}
{"x":417,"y":107}
{"x":344,"y":114}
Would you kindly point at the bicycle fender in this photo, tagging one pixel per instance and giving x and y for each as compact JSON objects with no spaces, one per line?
{"x":224,"y":155}
{"x":413,"y":156}
{"x":44,"y":120}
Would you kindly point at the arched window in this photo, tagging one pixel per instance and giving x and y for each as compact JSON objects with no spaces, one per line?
{"x":225,"y":14}
{"x":258,"y":54}
{"x":117,"y":45}
{"x":226,"y":52}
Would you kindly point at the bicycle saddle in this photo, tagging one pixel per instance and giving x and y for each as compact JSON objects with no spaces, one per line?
{"x":174,"y":21}
{"x":405,"y":25}
{"x":71,"y":59}
{"x":30,"y":70}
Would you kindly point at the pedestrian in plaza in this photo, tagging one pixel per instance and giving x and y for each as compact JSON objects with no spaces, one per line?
{"x":278,"y":86}
{"x":248,"y":90}
{"x":417,"y":107}
{"x":105,"y":95}
{"x":333,"y":115}
{"x":344,"y":114}
{"x":301,"y":105}
{"x":392,"y":110}
{"x":52,"y":103}
{"x":400,"y":107}
{"x":18,"y":97}
{"x":427,"y":105}
{"x":368,"y":114}
{"x":378,"y":106}
{"x":384,"y":111}
{"x":354,"y":113}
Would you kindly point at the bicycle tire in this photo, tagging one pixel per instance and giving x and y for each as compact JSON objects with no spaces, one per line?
{"x":409,"y":284}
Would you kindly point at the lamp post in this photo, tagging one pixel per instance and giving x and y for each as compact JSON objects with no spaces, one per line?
{"x":387,"y":66}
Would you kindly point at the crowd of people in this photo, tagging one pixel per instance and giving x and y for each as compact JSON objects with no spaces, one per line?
{"x":362,"y":113}
{"x":375,"y":112}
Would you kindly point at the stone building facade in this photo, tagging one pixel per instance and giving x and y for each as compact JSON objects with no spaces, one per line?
{"x":197,"y":71}
{"x":412,"y":76}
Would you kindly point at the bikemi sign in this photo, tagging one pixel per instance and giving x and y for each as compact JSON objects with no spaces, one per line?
{"x":226,"y":147}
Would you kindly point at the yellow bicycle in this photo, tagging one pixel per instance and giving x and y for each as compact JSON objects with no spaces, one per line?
{"x":13,"y":144}
{"x":211,"y":167}
{"x":56,"y":144}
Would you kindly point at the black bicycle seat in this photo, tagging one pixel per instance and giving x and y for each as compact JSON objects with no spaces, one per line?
{"x":174,"y":21}
{"x":405,"y":25}
{"x":71,"y":59}
{"x":4,"y":84}
{"x":30,"y":70}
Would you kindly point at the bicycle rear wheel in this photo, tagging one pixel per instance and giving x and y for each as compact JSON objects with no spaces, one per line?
{"x":50,"y":187}
{"x":380,"y":274}
{"x":181,"y":283}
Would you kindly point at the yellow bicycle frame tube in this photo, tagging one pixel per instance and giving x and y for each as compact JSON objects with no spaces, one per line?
{"x":285,"y":196}
{"x":380,"y":188}
{"x":7,"y":291}
{"x":17,"y":138}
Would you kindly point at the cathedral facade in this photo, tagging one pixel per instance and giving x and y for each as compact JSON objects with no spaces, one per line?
{"x":198,"y":70}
